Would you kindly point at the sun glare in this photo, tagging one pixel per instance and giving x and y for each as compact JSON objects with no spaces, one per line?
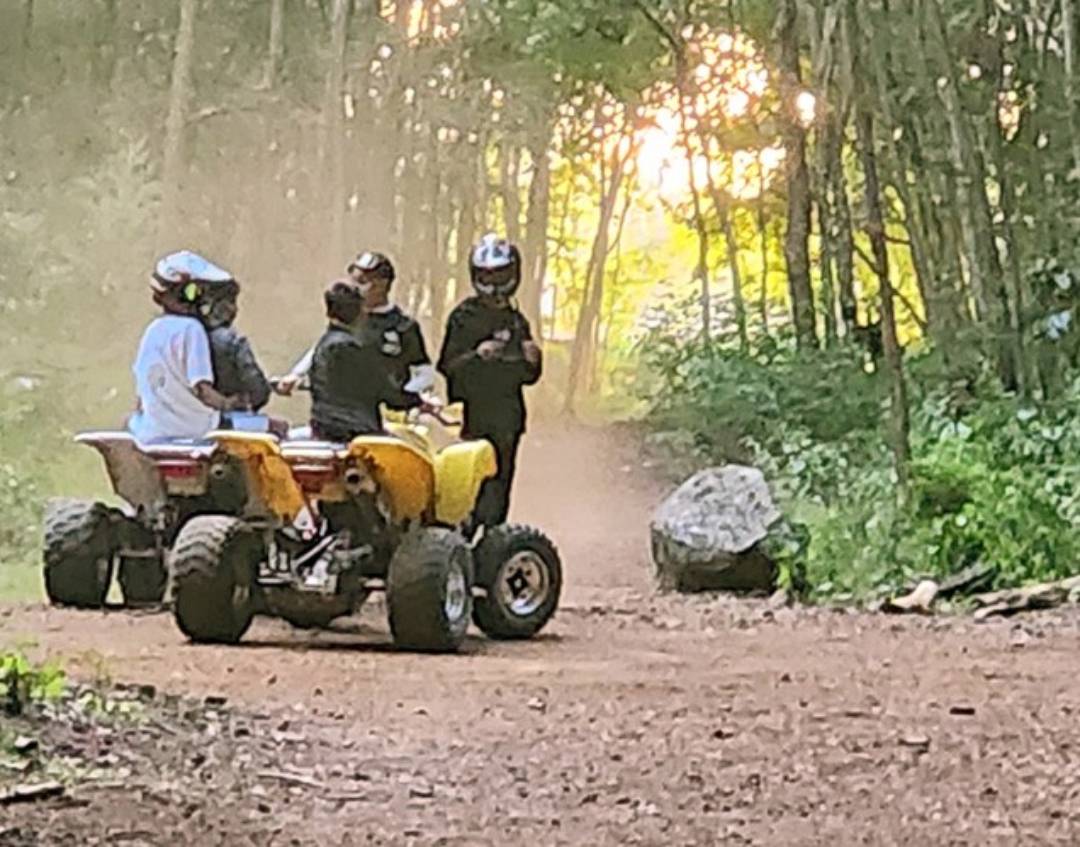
{"x":728,"y":79}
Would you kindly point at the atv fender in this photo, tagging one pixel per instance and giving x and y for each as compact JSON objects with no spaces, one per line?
{"x":460,"y":471}
{"x":134,"y":475}
{"x":270,"y":478}
{"x":401,"y":469}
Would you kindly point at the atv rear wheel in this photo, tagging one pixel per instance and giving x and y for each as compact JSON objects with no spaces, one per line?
{"x":214,"y":564}
{"x":521,"y":574}
{"x":78,"y":553}
{"x":428,"y":591}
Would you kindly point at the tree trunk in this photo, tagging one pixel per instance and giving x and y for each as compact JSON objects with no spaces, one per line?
{"x":875,"y":229}
{"x":179,"y":99}
{"x":536,"y":223}
{"x":276,"y":53}
{"x":27,"y":35}
{"x":796,"y":244}
{"x":594,"y":281}
{"x":105,"y":46}
{"x":826,"y":226}
{"x":722,"y":207}
{"x":763,"y":232}
{"x":440,"y":281}
{"x":731,"y":243}
{"x":434,"y":225}
{"x":509,"y":169}
{"x":976,"y":220}
{"x":825,"y":262}
{"x":1068,"y":24}
{"x":333,"y":120}
{"x":466,"y":232}
{"x":561,"y":254}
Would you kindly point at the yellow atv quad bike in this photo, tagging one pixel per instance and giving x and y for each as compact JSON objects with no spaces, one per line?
{"x":324,"y":525}
{"x":162,"y":486}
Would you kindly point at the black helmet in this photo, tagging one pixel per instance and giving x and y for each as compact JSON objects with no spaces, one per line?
{"x":188,"y":279}
{"x":371,"y":264}
{"x":495,"y":266}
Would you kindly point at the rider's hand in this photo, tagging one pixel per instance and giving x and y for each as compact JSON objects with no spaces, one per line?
{"x":531,"y":351}
{"x":430,"y":406}
{"x":287,"y":385}
{"x":490,"y":349}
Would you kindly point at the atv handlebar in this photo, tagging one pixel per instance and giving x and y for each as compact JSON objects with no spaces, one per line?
{"x":427,"y":411}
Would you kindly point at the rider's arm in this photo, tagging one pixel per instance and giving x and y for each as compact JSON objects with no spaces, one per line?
{"x":199,"y":369}
{"x":458,"y":348}
{"x":303,"y":367}
{"x":533,"y":364}
{"x":414,"y":354}
{"x":256,"y":387}
{"x":210,"y":396}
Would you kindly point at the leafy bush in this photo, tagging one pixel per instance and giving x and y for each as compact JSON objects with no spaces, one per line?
{"x":994,"y":480}
{"x":23,"y":683}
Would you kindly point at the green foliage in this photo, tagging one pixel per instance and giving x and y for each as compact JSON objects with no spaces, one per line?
{"x":23,"y":683}
{"x":994,"y":481}
{"x":777,"y":401}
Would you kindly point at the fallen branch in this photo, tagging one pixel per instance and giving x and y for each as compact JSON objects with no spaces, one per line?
{"x":293,"y":779}
{"x":967,"y":581}
{"x":31,"y":793}
{"x":1045,"y":595}
{"x":920,"y":600}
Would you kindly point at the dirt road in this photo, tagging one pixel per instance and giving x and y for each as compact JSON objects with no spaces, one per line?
{"x":635,"y":720}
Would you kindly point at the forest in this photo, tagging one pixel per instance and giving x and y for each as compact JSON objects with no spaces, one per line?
{"x":832,"y":238}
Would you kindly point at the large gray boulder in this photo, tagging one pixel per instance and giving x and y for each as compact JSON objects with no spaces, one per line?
{"x":707,"y":536}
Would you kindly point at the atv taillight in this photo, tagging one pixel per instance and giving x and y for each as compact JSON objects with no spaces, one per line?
{"x":178,"y":469}
{"x":313,"y":477}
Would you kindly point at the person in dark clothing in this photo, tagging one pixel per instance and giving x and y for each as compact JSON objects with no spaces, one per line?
{"x":397,"y":336}
{"x":236,"y":371}
{"x":488,"y":356}
{"x":348,"y":377}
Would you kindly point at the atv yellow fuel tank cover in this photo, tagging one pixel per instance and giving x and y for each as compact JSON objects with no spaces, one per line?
{"x":401,"y":469}
{"x":460,"y":470}
{"x":269,"y":473}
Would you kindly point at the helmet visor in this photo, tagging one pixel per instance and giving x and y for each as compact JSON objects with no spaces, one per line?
{"x":496,"y":280}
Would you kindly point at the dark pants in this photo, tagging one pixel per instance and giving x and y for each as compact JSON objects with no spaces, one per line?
{"x":493,"y":504}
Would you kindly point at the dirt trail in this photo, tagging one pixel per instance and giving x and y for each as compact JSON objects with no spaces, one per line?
{"x":635,"y":720}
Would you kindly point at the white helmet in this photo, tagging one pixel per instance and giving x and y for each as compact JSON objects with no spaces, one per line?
{"x":495,"y":266}
{"x":190,"y":277}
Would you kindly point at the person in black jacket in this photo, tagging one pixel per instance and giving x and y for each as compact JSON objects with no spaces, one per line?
{"x":349,"y":379}
{"x":236,"y":370}
{"x":488,"y":356}
{"x":398,"y":337}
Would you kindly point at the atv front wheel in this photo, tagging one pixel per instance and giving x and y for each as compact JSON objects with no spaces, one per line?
{"x":521,"y":574}
{"x":428,"y":591}
{"x":78,"y":553}
{"x":214,"y":563}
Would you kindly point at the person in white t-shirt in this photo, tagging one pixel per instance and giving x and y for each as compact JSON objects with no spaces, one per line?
{"x":174,"y":374}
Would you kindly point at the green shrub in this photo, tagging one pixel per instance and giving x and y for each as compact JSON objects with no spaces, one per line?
{"x":993,"y":480}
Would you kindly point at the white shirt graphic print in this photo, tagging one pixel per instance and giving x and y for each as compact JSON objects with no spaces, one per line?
{"x":173,"y":357}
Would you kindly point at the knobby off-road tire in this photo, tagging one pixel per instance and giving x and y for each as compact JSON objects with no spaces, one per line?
{"x":521,"y":574}
{"x":429,"y":591}
{"x":214,"y":563}
{"x":78,"y":555}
